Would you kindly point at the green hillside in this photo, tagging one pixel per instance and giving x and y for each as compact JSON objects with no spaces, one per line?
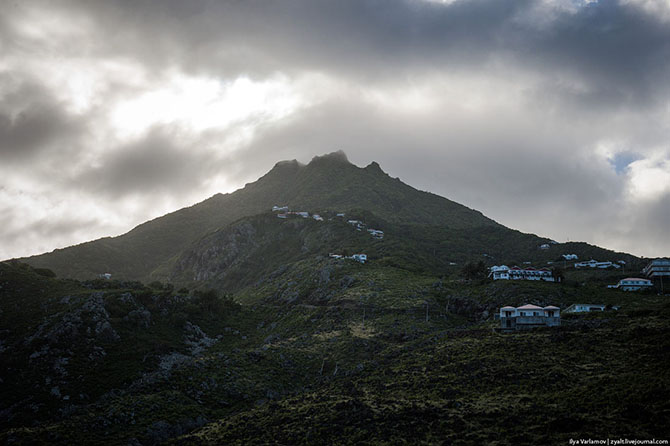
{"x":225,"y":324}
{"x":328,"y":182}
{"x":254,"y":248}
{"x":325,"y":352}
{"x":423,"y":231}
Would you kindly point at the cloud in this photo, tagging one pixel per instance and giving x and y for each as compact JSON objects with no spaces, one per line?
{"x":530,"y":172}
{"x":610,"y":50}
{"x":159,"y":162}
{"x":549,"y":116}
{"x":31,"y":121}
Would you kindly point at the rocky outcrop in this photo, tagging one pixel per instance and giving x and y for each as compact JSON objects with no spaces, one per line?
{"x":213,"y":255}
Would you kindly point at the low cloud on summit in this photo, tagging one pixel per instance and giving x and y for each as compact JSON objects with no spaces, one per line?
{"x":549,"y":116}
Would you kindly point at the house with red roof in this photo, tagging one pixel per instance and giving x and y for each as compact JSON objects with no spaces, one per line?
{"x":529,"y":316}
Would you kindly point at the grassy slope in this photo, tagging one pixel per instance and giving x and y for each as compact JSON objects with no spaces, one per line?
{"x":424,"y":231}
{"x":595,"y":378}
{"x":328,"y":182}
{"x":353,"y":359}
{"x":253,"y":248}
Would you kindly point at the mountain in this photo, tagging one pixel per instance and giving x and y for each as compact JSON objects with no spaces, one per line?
{"x":423,"y":230}
{"x":254,"y":334}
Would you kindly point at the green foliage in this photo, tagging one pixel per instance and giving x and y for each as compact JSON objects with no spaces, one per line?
{"x":367,"y":354}
{"x":46,"y":272}
{"x":156,"y":285}
{"x":210,"y":303}
{"x":279,"y":343}
{"x":474,"y":271}
{"x":148,"y":251}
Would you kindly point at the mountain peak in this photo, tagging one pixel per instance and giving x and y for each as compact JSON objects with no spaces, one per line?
{"x":288,"y":163}
{"x":374,"y":167}
{"x":338,"y":156}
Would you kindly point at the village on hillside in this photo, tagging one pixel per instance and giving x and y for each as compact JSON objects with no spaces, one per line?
{"x":283,"y":212}
{"x":527,"y":316}
{"x":530,"y":316}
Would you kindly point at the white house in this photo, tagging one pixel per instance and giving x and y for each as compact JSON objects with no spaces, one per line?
{"x":530,"y":273}
{"x":279,"y":208}
{"x":634,"y":284}
{"x":360,"y":257}
{"x":657,"y":268}
{"x":376,"y":233}
{"x":317,"y":217}
{"x":303,"y":214}
{"x":584,"y":308}
{"x":545,"y":246}
{"x":340,"y":214}
{"x":499,"y":272}
{"x":105,"y":276}
{"x":529,"y":316}
{"x":595,"y":264}
{"x":503,"y":272}
{"x":570,"y":256}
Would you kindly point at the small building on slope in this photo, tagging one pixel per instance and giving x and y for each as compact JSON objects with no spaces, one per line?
{"x":657,"y":268}
{"x":584,"y":308}
{"x":503,"y":272}
{"x":529,"y":316}
{"x":634,"y":284}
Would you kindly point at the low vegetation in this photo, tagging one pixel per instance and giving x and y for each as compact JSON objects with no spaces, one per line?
{"x":370,"y":355}
{"x":223,"y":324}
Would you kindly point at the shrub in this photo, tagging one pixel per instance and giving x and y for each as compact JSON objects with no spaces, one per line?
{"x":46,"y":272}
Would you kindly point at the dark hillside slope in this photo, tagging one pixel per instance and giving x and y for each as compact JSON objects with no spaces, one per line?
{"x":254,"y":248}
{"x":331,"y":182}
{"x":327,"y":182}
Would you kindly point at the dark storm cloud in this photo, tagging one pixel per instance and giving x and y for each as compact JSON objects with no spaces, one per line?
{"x":48,"y":228}
{"x":32,"y":120}
{"x":620,"y":52}
{"x":551,"y":87}
{"x":486,"y":161}
{"x":648,"y":228}
{"x":154,"y":164}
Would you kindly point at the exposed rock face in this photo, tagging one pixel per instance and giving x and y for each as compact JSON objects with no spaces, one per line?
{"x":197,"y":339}
{"x":141,"y":317}
{"x":89,"y":319}
{"x":210,"y":258}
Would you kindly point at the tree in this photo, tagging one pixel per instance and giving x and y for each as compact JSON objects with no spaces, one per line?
{"x":557,"y":274}
{"x":474,"y":271}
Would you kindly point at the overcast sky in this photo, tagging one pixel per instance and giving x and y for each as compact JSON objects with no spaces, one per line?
{"x":549,"y":116}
